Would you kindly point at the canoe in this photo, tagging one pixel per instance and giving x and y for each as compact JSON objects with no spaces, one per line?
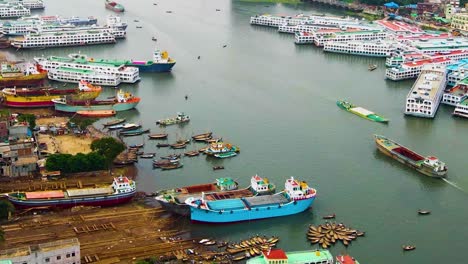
{"x":202,"y":139}
{"x":158,"y":136}
{"x":114,"y":122}
{"x":191,"y":153}
{"x":171,"y":157}
{"x":147,"y":156}
{"x":162,"y":145}
{"x":362,"y":112}
{"x":178,"y":145}
{"x":96,"y":113}
{"x":424,"y":212}
{"x":135,"y":132}
{"x":218,"y":168}
{"x":408,"y":248}
{"x":159,"y":163}
{"x":203,"y":135}
{"x":171,"y":166}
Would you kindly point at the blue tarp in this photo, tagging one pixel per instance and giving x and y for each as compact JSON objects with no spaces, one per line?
{"x":411,"y":6}
{"x":391,"y":5}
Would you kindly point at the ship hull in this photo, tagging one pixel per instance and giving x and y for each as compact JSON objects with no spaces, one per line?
{"x":180,"y":209}
{"x":109,"y":200}
{"x":255,"y":213}
{"x":74,"y":108}
{"x":31,"y":80}
{"x":422,"y":169}
{"x":155,"y":67}
{"x":42,"y":100}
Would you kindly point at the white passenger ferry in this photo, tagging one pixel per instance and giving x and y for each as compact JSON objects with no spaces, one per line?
{"x":399,"y":59}
{"x":453,"y":96}
{"x":434,"y":45}
{"x":310,"y":27}
{"x":410,"y":70}
{"x":320,"y":37}
{"x":377,"y":48}
{"x":276,"y":21}
{"x":72,"y":75}
{"x":31,"y":4}
{"x":462,"y":108}
{"x":424,"y":97}
{"x":80,"y":61}
{"x":59,"y":39}
{"x":13,"y":10}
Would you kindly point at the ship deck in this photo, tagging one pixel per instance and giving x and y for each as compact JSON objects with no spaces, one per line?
{"x":228,"y":195}
{"x":266,"y":200}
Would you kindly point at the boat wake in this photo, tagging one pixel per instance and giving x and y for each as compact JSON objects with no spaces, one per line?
{"x":455,"y":185}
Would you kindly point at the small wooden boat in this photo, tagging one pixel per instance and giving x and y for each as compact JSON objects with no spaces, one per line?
{"x":218,"y":168}
{"x":202,"y":150}
{"x":178,"y":146}
{"x":238,"y":258}
{"x":96,"y":113}
{"x":218,"y":9}
{"x":203,"y":135}
{"x":135,"y":132}
{"x":169,"y":11}
{"x":213,"y":140}
{"x":372,"y":67}
{"x":162,"y":145}
{"x":172,"y":166}
{"x":126,"y":126}
{"x":360,"y":233}
{"x":123,"y":162}
{"x":256,"y":250}
{"x":202,"y":139}
{"x":154,"y":39}
{"x":137,"y":146}
{"x":192,"y":153}
{"x":203,"y":241}
{"x":330,"y":216}
{"x":408,"y":247}
{"x":139,"y":27}
{"x":222,"y":244}
{"x":424,"y":212}
{"x":158,"y":136}
{"x":183,"y":141}
{"x":171,"y":157}
{"x":147,"y":155}
{"x":114,"y":122}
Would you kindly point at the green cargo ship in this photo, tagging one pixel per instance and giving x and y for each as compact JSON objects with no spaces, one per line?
{"x":364,"y":113}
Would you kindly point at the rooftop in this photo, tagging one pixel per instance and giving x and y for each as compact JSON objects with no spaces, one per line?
{"x":75,"y":70}
{"x":25,"y":160}
{"x":431,"y":79}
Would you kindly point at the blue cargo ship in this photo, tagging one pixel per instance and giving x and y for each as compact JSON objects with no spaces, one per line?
{"x":296,"y":198}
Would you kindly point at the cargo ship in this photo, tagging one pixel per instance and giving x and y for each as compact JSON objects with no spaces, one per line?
{"x":42,"y":97}
{"x":120,"y":191}
{"x":161,"y":63}
{"x":296,"y":198}
{"x":430,"y":166}
{"x":174,"y":199}
{"x":362,"y":112}
{"x":276,"y":255}
{"x":21,"y":74}
{"x":114,"y":6}
{"x":123,"y":101}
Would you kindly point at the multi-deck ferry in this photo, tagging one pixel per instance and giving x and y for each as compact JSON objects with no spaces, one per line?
{"x":31,"y":4}
{"x":13,"y":10}
{"x":73,"y":75}
{"x":311,"y":27}
{"x":320,"y":37}
{"x":74,"y":20}
{"x":424,"y":97}
{"x":377,"y":48}
{"x":455,"y":95}
{"x":462,"y":108}
{"x":410,"y":70}
{"x":276,"y":21}
{"x":83,"y":62}
{"x":59,"y":39}
{"x":457,"y":71}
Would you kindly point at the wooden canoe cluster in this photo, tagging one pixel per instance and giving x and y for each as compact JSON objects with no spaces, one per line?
{"x":251,"y":247}
{"x":329,"y":233}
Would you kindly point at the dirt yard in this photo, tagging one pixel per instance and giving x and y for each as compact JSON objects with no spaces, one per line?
{"x":66,"y":144}
{"x":51,"y":120}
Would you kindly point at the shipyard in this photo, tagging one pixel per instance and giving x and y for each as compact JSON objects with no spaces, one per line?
{"x":216,"y":131}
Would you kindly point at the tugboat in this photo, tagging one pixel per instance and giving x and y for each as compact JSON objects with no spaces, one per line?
{"x":430,"y":166}
{"x":114,"y":6}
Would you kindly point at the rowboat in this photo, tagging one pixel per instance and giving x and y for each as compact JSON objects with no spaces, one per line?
{"x":135,"y":132}
{"x":164,"y":162}
{"x":162,"y":145}
{"x":158,"y":136}
{"x":147,"y":156}
{"x":96,"y":113}
{"x":172,"y":166}
{"x":179,"y":145}
{"x":114,"y":122}
{"x":362,"y":112}
{"x":372,"y":67}
{"x":125,"y":126}
{"x":192,"y":153}
{"x":203,"y":135}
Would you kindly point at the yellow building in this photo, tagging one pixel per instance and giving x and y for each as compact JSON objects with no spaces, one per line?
{"x":460,"y":21}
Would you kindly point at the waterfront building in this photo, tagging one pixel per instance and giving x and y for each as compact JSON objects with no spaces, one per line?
{"x":460,"y":21}
{"x":424,"y":97}
{"x":379,"y":48}
{"x":66,"y":251}
{"x":455,"y":95}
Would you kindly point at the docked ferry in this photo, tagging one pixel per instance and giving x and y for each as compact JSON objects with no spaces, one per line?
{"x":120,"y":191}
{"x":424,"y":97}
{"x":82,"y":63}
{"x":399,"y":59}
{"x":276,"y":255}
{"x":21,"y":74}
{"x":276,"y":21}
{"x":320,"y":37}
{"x":73,"y":20}
{"x":59,"y":39}
{"x":454,"y":95}
{"x":13,"y":10}
{"x":73,"y":75}
{"x":123,"y":101}
{"x":410,"y":70}
{"x":461,"y":109}
{"x":31,"y":4}
{"x":296,"y":198}
{"x":377,"y":48}
{"x":42,"y":97}
{"x":430,"y":166}
{"x":311,"y":27}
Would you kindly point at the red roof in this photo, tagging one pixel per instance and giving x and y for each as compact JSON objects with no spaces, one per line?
{"x":275,"y":254}
{"x":44,"y":195}
{"x":346,"y":259}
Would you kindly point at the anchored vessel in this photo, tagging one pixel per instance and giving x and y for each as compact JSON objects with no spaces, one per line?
{"x":364,"y":113}
{"x":424,"y":97}
{"x":122,"y":102}
{"x":21,"y":74}
{"x":377,"y":48}
{"x":430,"y":166}
{"x":42,"y":97}
{"x":276,"y":255}
{"x":461,"y":109}
{"x":161,"y":62}
{"x":31,"y":4}
{"x":180,"y":118}
{"x":122,"y":190}
{"x":114,"y":6}
{"x":346,"y":259}
{"x":13,"y":10}
{"x":296,"y":198}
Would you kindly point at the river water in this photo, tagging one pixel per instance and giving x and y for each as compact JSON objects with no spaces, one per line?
{"x":276,"y":101}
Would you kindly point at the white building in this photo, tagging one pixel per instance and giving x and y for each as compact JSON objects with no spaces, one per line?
{"x":65,"y":251}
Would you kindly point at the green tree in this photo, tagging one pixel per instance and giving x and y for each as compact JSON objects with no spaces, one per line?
{"x":108,"y":147}
{"x":76,"y":163}
{"x":5,"y":209}
{"x":30,"y":118}
{"x":83,"y":123}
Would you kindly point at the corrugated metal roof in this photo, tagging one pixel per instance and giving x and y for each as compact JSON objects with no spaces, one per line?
{"x":89,"y":191}
{"x":44,"y":195}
